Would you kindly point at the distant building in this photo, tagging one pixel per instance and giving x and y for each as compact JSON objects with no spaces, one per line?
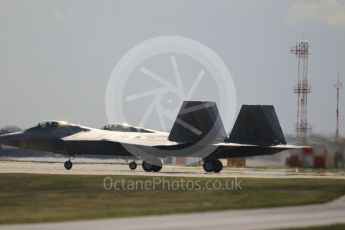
{"x":322,"y":155}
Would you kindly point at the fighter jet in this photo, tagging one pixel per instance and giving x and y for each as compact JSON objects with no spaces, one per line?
{"x":198,"y":131}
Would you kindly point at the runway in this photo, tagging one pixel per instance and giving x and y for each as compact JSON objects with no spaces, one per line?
{"x":254,"y":219}
{"x":168,"y":170}
{"x":267,"y":218}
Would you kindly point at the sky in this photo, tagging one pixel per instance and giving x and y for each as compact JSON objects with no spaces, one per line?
{"x":56,"y":57}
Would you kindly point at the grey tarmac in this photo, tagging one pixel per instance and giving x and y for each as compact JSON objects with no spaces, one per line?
{"x":167,"y":170}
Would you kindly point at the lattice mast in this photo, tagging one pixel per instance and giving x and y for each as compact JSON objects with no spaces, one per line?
{"x":302,"y":88}
{"x":338,"y":85}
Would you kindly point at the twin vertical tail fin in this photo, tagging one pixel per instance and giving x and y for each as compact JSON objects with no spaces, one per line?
{"x":258,"y":125}
{"x":200,"y":121}
{"x":197,"y":121}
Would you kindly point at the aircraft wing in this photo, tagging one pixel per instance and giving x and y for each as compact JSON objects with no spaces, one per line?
{"x":232,"y":145}
{"x":142,"y":139}
{"x":156,"y":140}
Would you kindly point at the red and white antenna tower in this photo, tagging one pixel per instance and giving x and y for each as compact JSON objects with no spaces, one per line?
{"x":302,"y":88}
{"x":337,"y":86}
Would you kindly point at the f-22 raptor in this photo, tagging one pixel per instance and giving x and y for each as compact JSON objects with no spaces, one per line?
{"x":198,"y":131}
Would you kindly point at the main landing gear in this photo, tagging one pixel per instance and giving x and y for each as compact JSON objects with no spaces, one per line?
{"x":148,"y":167}
{"x":213,"y":165}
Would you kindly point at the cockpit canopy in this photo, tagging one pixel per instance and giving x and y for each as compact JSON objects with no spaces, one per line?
{"x":50,"y":124}
{"x":126,"y":128}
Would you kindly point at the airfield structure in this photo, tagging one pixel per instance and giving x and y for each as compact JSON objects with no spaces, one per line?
{"x":302,"y":88}
{"x":338,"y":85}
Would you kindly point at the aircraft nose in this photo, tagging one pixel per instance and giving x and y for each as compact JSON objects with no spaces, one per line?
{"x":11,"y":139}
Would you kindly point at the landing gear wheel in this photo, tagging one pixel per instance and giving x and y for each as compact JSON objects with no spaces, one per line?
{"x":147,"y":166}
{"x":218,"y":166}
{"x":133,"y":165}
{"x":156,"y":168}
{"x":213,"y":166}
{"x":68,"y":165}
{"x":208,"y":166}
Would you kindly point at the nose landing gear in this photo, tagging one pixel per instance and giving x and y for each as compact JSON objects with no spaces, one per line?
{"x":133,"y":165}
{"x":68,"y":164}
